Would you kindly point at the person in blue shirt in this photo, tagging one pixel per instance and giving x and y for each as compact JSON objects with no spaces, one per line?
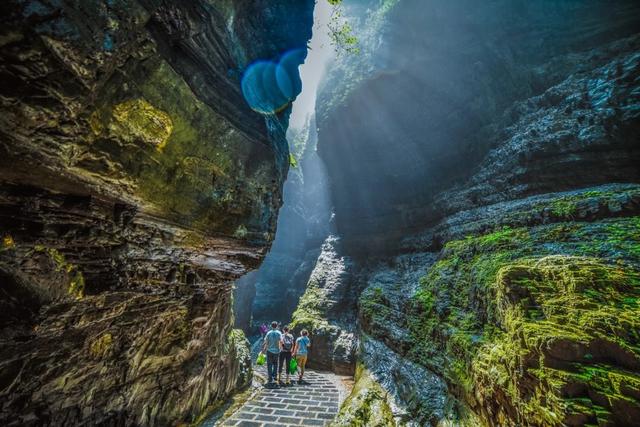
{"x":272,"y":347}
{"x":300,"y":352}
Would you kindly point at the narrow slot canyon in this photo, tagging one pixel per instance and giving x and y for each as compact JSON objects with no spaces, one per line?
{"x":440,"y":200}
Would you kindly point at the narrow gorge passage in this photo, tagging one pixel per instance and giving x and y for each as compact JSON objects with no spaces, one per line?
{"x":445,"y":194}
{"x":272,"y":292}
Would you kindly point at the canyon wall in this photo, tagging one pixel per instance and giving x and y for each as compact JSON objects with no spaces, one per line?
{"x":483,"y":162}
{"x":439,"y":80}
{"x":272,"y":292}
{"x":136,"y":185}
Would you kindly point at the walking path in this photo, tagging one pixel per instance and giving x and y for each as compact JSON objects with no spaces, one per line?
{"x":314,"y":403}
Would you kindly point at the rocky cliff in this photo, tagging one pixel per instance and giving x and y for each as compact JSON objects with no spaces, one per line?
{"x":136,"y":185}
{"x":483,"y":167}
{"x":272,"y":293}
{"x":437,"y":79}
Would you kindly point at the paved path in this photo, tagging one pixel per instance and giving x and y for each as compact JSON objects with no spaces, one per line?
{"x":314,"y":403}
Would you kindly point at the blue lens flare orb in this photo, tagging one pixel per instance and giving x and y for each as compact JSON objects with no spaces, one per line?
{"x":269,"y":87}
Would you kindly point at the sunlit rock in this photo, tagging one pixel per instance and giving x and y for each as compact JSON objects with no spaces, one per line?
{"x":136,"y":186}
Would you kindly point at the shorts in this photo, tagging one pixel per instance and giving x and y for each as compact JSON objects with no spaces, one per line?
{"x":301,"y":359}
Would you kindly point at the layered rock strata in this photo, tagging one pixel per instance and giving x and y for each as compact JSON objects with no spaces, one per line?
{"x":136,"y":186}
{"x":510,"y":284}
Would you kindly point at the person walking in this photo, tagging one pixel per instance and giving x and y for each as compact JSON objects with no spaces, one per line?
{"x":272,"y":346}
{"x":285,"y":355}
{"x":300,"y":352}
{"x":263,"y":330}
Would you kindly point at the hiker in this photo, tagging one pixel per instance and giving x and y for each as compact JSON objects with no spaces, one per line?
{"x":300,"y":351}
{"x":285,"y":355}
{"x":272,"y":346}
{"x":263,"y":330}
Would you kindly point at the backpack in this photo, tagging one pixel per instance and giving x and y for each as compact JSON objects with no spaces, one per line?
{"x":287,"y":342}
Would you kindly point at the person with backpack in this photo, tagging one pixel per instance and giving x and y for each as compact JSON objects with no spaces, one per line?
{"x":285,"y":355}
{"x":272,"y":347}
{"x":300,"y":351}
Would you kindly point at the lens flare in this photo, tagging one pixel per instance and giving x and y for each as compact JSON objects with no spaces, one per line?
{"x":287,"y":74}
{"x":269,"y":87}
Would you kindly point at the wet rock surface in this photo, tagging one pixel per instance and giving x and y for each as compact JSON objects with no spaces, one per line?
{"x":136,"y":186}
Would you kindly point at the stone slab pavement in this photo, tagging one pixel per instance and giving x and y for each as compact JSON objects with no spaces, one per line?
{"x":313,"y":403}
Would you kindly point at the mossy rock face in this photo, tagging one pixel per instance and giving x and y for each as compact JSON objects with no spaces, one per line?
{"x":569,"y":330}
{"x":367,"y":404}
{"x":136,"y":119}
{"x":100,"y":347}
{"x":182,"y":159}
{"x":535,"y":326}
{"x":327,"y":310}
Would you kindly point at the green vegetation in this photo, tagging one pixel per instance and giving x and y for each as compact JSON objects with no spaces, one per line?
{"x":8,"y":242}
{"x":238,"y":342}
{"x":366,"y":406}
{"x":178,"y":154}
{"x":567,"y":207}
{"x":241,"y":232}
{"x":340,"y":31}
{"x":561,"y":308}
{"x":100,"y":347}
{"x":520,"y":316}
{"x":372,"y":301}
{"x":298,"y":138}
{"x":350,"y":70}
{"x":308,"y":314}
{"x":342,"y":34}
{"x":136,"y":119}
{"x":74,"y":277}
{"x":292,"y":161}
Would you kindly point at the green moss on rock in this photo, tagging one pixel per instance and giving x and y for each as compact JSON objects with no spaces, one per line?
{"x":193,"y":166}
{"x":100,"y":347}
{"x":558,"y":318}
{"x":309,"y":315}
{"x":536,"y":326}
{"x":367,"y":404}
{"x":74,"y":278}
{"x":137,"y":119}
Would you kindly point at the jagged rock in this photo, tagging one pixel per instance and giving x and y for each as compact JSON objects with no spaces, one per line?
{"x":136,"y":185}
{"x":303,"y":224}
{"x":486,"y":192}
{"x":366,"y":405}
{"x":580,"y":129}
{"x":327,"y":310}
{"x":439,"y":84}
